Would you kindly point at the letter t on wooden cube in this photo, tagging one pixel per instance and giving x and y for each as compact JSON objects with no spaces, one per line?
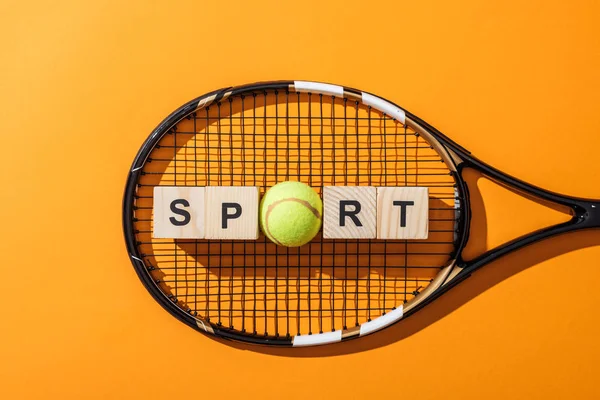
{"x":232,"y":212}
{"x":402,"y":212}
{"x":350,"y":212}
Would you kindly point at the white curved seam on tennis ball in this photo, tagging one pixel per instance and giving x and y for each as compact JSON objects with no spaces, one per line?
{"x":318,"y":338}
{"x":317,"y":87}
{"x":384,"y":106}
{"x":381,"y":322}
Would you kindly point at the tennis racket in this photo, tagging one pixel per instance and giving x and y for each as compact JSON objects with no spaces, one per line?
{"x":326,"y":291}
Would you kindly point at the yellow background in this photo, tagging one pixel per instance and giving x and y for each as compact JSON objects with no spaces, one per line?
{"x":83,"y":83}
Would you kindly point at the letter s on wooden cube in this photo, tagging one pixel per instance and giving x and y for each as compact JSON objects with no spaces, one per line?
{"x":178,"y":212}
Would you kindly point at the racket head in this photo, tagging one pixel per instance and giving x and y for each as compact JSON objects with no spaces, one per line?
{"x":321,"y":134}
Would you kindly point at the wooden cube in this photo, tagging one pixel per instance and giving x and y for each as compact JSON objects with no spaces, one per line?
{"x":402,"y":212}
{"x":232,"y":212}
{"x":350,"y":212}
{"x":178,"y":212}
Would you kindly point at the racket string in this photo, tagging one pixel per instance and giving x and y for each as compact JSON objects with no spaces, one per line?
{"x":258,"y":140}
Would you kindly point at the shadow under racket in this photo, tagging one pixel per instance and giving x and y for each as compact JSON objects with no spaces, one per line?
{"x":479,"y":282}
{"x":220,"y":258}
{"x":455,"y":298}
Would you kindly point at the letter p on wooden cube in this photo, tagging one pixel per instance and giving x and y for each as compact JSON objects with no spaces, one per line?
{"x":402,"y":213}
{"x":232,"y":212}
{"x":178,"y":212}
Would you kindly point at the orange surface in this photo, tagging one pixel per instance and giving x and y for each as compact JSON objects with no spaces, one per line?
{"x":83,"y":83}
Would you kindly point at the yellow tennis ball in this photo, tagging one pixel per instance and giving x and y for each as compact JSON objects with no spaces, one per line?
{"x":290,"y":213}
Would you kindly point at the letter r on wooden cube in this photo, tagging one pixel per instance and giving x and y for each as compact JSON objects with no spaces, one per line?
{"x":178,"y":212}
{"x":232,"y":212}
{"x":350,"y":212}
{"x":402,"y":213}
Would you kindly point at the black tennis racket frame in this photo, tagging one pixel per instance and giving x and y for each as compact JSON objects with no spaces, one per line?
{"x":586,"y":213}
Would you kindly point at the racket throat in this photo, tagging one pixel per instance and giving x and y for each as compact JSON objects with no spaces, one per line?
{"x":587,"y":214}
